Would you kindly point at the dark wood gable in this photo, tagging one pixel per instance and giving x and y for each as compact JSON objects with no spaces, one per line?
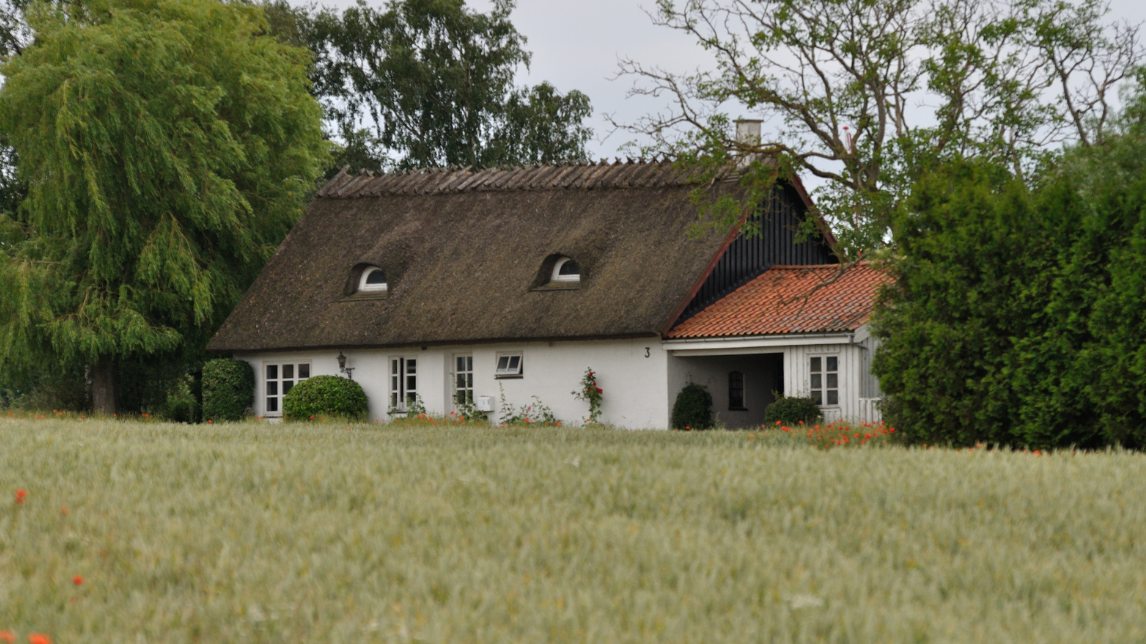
{"x":748,"y":257}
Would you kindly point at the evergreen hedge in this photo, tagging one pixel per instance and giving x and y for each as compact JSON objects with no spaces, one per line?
{"x":228,"y":389}
{"x":693,"y":408}
{"x":325,"y":396}
{"x":791,"y":410}
{"x":1017,"y":317}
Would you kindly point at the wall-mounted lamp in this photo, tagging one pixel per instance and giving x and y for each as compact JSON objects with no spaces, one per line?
{"x":342,"y":368}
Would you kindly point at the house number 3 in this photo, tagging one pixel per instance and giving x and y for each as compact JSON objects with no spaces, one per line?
{"x":646,"y":352}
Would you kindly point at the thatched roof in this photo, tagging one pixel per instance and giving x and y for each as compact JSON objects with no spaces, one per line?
{"x":466,"y":252}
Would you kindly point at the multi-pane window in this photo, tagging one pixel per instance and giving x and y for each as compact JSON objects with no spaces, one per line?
{"x":280,"y":378}
{"x":463,"y":380}
{"x":736,"y":391}
{"x":509,"y":366}
{"x":403,"y":382}
{"x":824,"y":375}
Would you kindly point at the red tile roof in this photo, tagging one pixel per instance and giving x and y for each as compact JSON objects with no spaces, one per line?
{"x":790,"y":299}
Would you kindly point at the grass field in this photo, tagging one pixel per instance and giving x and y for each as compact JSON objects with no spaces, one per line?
{"x":253,"y":533}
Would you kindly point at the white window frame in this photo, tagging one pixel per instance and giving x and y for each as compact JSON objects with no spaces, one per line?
{"x":363,"y":287}
{"x":463,"y":379}
{"x":823,"y":391}
{"x":281,"y":384}
{"x":558,"y":277}
{"x":508,"y":372}
{"x":401,"y":369}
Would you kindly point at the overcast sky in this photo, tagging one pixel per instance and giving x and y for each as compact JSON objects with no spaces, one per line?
{"x":576,"y":45}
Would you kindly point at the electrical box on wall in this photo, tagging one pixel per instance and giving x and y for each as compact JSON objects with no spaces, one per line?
{"x":484,"y":403}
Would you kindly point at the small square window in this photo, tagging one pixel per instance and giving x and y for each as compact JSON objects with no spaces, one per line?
{"x":509,"y":366}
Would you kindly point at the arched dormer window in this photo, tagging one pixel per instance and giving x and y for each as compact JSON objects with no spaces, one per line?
{"x":373,"y":280}
{"x":566,"y":270}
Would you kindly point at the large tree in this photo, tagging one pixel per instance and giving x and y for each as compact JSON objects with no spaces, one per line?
{"x":167,"y":147}
{"x":430,"y":83}
{"x":867,"y":95}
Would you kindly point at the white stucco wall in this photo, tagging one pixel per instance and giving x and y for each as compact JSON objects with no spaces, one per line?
{"x":632,"y":373}
{"x":639,"y":389}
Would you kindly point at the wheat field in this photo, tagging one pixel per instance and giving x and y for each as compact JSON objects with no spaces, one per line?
{"x":334,"y":533}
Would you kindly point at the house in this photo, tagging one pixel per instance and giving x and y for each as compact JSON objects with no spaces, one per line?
{"x":505,"y":284}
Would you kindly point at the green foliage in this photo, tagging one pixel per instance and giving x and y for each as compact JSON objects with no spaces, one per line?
{"x":228,"y":389}
{"x":693,"y":408}
{"x":1017,"y":314}
{"x":325,"y":396}
{"x":435,"y":80}
{"x":793,"y":409}
{"x":167,"y":148}
{"x":869,"y":96}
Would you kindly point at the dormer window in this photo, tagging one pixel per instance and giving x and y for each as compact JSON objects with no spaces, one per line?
{"x":566,"y":270}
{"x":373,"y":280}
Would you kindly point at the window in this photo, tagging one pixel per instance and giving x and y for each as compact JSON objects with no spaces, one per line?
{"x":280,"y":378}
{"x":566,"y":270}
{"x":373,"y":280}
{"x":463,"y":380}
{"x":736,"y":391}
{"x":824,"y":374}
{"x":403,"y":382}
{"x":508,"y":366}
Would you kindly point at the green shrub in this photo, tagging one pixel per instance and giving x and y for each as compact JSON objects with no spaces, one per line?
{"x":228,"y":389}
{"x":325,"y":396}
{"x":793,"y":409}
{"x":1016,"y":314}
{"x":181,"y":405}
{"x":692,"y":409}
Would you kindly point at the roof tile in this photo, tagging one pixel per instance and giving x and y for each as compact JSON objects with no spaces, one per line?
{"x":790,"y":299}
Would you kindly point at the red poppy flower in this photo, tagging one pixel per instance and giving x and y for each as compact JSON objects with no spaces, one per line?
{"x":77,"y":580}
{"x":64,"y":511}
{"x":7,"y":636}
{"x":20,"y":494}
{"x":39,"y":638}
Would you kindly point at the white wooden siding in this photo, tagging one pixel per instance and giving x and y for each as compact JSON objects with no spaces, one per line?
{"x":852,"y":370}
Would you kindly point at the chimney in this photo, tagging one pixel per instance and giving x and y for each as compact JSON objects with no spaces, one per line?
{"x":748,"y":131}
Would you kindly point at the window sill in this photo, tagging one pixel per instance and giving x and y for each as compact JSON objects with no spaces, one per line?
{"x":509,"y":377}
{"x":738,"y":409}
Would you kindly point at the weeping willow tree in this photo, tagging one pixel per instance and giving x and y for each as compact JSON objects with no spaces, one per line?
{"x":167,"y":147}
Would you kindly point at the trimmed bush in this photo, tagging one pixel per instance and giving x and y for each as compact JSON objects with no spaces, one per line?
{"x":325,"y":396}
{"x":228,"y":389}
{"x":791,"y":410}
{"x":692,"y":409}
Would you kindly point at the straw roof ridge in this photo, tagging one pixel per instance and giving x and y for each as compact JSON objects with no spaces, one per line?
{"x":660,"y":171}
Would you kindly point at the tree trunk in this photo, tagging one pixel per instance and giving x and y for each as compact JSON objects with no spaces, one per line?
{"x":105,"y":390}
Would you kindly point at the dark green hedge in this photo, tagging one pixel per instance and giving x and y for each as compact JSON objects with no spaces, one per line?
{"x":791,"y":410}
{"x":692,"y":409}
{"x":228,"y":389}
{"x":1017,"y":313}
{"x":325,"y":396}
